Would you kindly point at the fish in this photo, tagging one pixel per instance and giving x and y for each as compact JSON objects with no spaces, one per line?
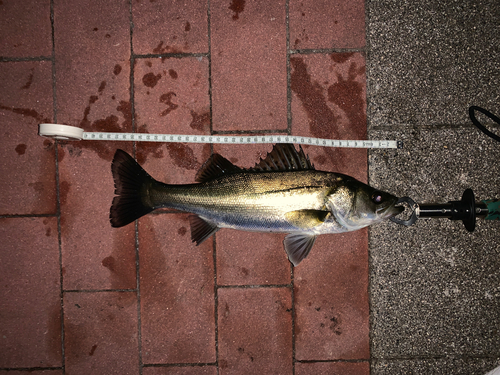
{"x":282,"y":193}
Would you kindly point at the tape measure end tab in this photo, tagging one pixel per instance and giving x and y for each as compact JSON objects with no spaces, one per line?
{"x":58,"y":131}
{"x":400,"y":144}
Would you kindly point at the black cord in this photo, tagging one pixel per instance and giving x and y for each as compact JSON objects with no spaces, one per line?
{"x":481,"y":127}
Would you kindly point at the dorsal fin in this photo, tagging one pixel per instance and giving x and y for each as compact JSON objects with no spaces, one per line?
{"x":284,"y":157}
{"x":214,"y":167}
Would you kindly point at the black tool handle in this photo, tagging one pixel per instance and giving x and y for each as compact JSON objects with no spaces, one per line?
{"x":465,"y":209}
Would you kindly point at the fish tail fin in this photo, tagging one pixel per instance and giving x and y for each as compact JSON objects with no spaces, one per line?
{"x":131,"y":185}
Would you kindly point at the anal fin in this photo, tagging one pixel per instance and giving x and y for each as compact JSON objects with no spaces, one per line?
{"x":201,"y":229}
{"x":298,"y":246}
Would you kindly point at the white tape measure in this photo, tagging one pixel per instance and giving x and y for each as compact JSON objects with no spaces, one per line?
{"x":66,"y":132}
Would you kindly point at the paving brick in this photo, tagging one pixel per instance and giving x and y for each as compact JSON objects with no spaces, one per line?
{"x":92,"y":83}
{"x":177,"y":292}
{"x":249,"y":92}
{"x":27,"y":160}
{"x":332,"y":368}
{"x":246,"y":258}
{"x":25,"y":29}
{"x":30,"y":293}
{"x":31,"y":372}
{"x":255,"y":331}
{"x":331,"y":296}
{"x":248,"y":49}
{"x":170,"y":27}
{"x":329,"y":101}
{"x":171,"y":97}
{"x":93,"y":70}
{"x":92,"y":51}
{"x":95,"y":255}
{"x":188,"y":370}
{"x":322,"y":24}
{"x":100,"y":333}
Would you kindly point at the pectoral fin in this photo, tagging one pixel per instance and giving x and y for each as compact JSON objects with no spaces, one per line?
{"x":306,"y":219}
{"x":298,"y":246}
{"x":201,"y":229}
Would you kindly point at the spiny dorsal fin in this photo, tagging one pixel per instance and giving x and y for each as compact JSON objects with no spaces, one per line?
{"x":214,"y":167}
{"x":284,"y":157}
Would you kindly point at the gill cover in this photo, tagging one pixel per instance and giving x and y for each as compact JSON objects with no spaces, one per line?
{"x":356,"y":205}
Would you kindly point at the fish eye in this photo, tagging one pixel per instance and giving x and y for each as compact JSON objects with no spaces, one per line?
{"x":377,"y":197}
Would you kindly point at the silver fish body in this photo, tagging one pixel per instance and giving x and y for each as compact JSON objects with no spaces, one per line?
{"x":283,"y":193}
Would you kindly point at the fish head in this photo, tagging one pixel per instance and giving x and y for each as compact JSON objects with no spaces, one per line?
{"x":356,"y":205}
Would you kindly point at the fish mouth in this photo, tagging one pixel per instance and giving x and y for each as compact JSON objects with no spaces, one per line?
{"x":390,"y":210}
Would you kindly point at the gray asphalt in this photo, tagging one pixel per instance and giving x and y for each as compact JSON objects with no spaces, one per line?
{"x":434,"y":287}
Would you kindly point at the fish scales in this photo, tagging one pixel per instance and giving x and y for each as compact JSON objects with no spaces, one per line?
{"x":250,"y":201}
{"x":282,"y":193}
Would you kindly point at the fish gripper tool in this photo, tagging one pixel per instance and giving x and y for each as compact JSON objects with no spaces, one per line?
{"x":466,"y":209}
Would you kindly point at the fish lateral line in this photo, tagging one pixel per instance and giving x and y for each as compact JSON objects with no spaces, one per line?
{"x":282,"y":193}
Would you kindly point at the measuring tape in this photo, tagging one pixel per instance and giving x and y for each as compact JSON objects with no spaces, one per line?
{"x":66,"y":132}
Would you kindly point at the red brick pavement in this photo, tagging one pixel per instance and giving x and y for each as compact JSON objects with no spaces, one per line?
{"x":79,"y":297}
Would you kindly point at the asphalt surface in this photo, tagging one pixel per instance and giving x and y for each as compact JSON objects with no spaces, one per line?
{"x":434,"y":287}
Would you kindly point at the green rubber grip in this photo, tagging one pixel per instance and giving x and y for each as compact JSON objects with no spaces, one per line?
{"x":493,"y":206}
